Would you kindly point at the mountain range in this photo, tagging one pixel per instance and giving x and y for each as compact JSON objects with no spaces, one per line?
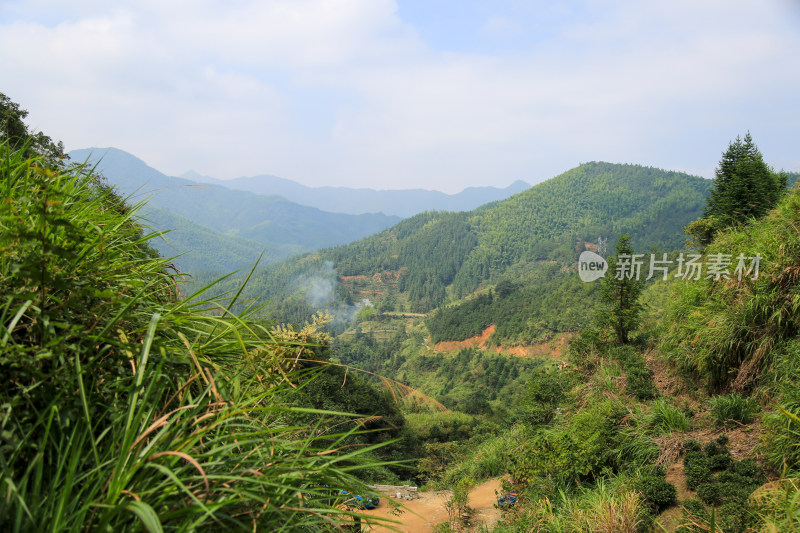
{"x":403,"y":203}
{"x":218,"y":226}
{"x":220,"y":229}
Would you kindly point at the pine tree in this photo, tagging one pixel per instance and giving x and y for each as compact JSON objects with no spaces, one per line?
{"x":620,"y":292}
{"x":745,"y":187}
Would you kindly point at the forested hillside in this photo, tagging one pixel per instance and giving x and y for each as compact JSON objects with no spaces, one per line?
{"x":533,"y":237}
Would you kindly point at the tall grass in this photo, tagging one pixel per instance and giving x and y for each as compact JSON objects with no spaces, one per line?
{"x":665,"y":418}
{"x":126,"y":408}
{"x":608,"y":507}
{"x":734,"y":408}
{"x":726,"y":332}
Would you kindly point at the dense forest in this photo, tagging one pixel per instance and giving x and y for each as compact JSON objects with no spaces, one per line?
{"x":438,"y":258}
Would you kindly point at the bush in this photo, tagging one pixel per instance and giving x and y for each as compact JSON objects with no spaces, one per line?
{"x":694,"y":512}
{"x":640,"y":384}
{"x":658,"y":493}
{"x":720,"y":461}
{"x":692,"y":445}
{"x":727,"y":410}
{"x":697,"y":468}
{"x":710,"y":493}
{"x":713,"y":448}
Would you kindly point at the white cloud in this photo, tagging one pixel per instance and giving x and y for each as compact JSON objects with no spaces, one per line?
{"x":225,"y":89}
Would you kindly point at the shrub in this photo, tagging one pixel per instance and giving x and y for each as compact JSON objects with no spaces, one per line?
{"x":749,"y":469}
{"x":733,"y":518}
{"x":727,"y":410}
{"x":720,"y":461}
{"x":692,"y":445}
{"x":697,"y":467}
{"x":657,"y":492}
{"x":713,"y":448}
{"x":694,"y":515}
{"x":710,"y":493}
{"x":640,"y":384}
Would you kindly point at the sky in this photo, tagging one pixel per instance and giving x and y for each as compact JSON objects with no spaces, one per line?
{"x":394,"y":94}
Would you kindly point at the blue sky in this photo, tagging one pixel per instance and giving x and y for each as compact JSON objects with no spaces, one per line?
{"x":437,"y":94}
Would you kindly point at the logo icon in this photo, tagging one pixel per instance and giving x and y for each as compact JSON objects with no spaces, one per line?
{"x":591,"y":266}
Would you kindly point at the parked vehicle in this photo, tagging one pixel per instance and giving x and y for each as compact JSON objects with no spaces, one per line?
{"x":507,"y":500}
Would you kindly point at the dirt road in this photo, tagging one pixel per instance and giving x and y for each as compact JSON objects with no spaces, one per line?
{"x":423,"y":514}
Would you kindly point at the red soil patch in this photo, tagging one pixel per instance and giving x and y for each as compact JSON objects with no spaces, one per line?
{"x":353,"y":278}
{"x":555,"y":348}
{"x":478,"y":341}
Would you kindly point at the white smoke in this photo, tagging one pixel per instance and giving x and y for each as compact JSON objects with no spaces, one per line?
{"x":320,"y":292}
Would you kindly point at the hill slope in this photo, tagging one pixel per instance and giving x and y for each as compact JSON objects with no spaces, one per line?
{"x":429,"y":259}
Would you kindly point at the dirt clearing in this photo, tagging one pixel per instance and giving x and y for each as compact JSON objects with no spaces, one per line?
{"x":423,"y":514}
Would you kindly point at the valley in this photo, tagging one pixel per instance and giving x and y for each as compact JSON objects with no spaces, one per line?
{"x":149,"y":387}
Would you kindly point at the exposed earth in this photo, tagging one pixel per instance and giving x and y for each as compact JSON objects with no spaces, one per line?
{"x":423,"y":514}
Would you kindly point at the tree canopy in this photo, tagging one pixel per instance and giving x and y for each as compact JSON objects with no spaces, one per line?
{"x":745,"y":186}
{"x":621,"y":290}
{"x":14,"y":130}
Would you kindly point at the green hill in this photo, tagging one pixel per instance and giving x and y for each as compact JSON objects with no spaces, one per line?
{"x":433,"y":258}
{"x":198,"y":249}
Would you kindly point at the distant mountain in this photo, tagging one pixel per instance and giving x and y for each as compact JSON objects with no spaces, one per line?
{"x":433,"y":258}
{"x":282,"y":227}
{"x":402,"y":203}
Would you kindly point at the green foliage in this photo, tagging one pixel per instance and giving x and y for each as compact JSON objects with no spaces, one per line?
{"x":639,"y":378}
{"x":729,"y":409}
{"x":665,"y":418}
{"x":125,"y":407}
{"x":609,"y":505}
{"x":745,"y":187}
{"x":470,"y":380}
{"x":697,"y":467}
{"x":545,"y":392}
{"x":16,"y":134}
{"x":657,"y":492}
{"x":620,"y":293}
{"x":782,"y":450}
{"x":593,"y":443}
{"x":778,"y":506}
{"x":721,"y":482}
{"x":549,"y":301}
{"x":488,"y":458}
{"x":726,"y":332}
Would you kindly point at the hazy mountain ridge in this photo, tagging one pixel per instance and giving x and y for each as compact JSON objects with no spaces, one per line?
{"x":280,"y":226}
{"x":400,"y":202}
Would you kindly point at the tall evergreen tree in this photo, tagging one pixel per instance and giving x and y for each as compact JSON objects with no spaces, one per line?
{"x":745,"y":187}
{"x":620,"y":291}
